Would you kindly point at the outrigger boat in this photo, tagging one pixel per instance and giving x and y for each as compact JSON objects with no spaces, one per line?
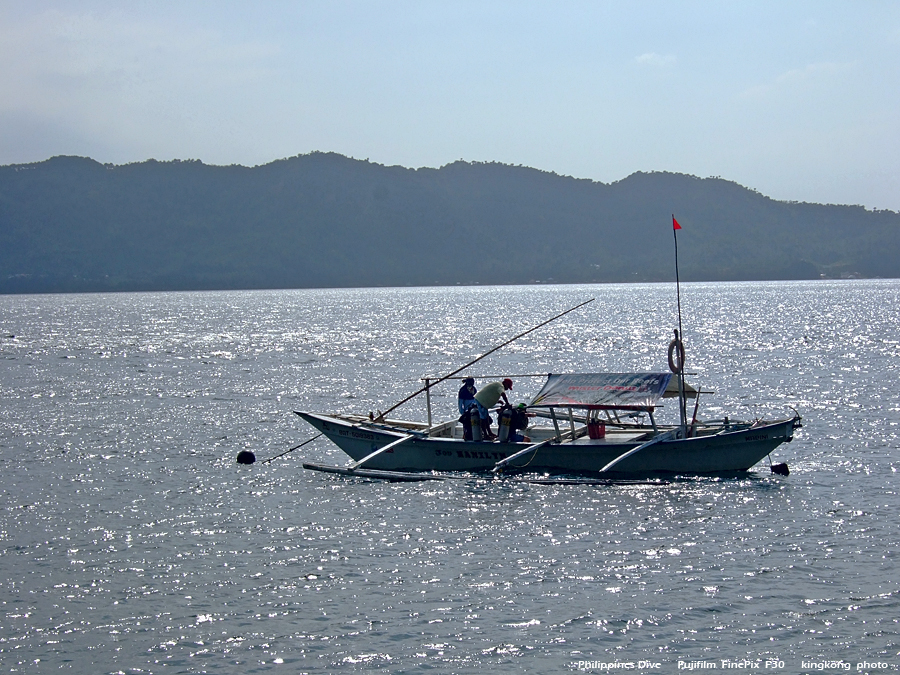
{"x":601,"y":424}
{"x":593,"y":427}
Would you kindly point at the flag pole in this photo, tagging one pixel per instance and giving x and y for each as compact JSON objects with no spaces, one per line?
{"x":679,"y":335}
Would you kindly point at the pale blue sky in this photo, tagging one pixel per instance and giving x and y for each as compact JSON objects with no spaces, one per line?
{"x":799,"y":100}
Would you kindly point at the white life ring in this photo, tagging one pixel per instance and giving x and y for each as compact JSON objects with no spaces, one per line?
{"x":676,"y":366}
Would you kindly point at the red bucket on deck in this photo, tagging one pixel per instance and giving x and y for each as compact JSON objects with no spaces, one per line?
{"x":596,"y":429}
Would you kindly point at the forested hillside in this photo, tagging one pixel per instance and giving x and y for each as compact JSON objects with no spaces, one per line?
{"x":318,"y":220}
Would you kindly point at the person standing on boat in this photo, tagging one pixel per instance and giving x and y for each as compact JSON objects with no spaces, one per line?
{"x":466,"y":396}
{"x":486,"y":399}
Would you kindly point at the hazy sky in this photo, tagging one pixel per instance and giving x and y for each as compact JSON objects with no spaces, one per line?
{"x":799,"y":100}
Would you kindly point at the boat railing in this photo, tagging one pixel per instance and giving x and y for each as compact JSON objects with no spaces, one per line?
{"x":625,"y":418}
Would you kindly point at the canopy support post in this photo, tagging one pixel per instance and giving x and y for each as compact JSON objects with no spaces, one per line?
{"x":694,"y":419}
{"x":555,"y":425}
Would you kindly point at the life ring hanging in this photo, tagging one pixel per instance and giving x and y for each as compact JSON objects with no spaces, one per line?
{"x":676,"y":366}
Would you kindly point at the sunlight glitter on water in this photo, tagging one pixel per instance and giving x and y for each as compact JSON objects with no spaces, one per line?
{"x":132,"y":541}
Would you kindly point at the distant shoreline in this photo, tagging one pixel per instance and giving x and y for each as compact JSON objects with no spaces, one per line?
{"x":453,"y":286}
{"x":72,"y":225}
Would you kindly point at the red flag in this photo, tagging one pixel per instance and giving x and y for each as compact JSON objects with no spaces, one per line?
{"x":675,"y":225}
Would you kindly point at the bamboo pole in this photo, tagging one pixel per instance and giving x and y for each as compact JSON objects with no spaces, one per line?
{"x":380,"y":417}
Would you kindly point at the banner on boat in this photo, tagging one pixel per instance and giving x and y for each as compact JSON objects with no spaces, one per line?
{"x":632,"y":391}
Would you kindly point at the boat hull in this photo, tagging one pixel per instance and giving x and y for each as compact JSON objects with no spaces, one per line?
{"x":724,"y":452}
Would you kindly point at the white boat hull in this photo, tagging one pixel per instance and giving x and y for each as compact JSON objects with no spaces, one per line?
{"x":726,"y":451}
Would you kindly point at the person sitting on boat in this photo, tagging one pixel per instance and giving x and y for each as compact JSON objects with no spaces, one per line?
{"x":466,"y":397}
{"x":486,"y":399}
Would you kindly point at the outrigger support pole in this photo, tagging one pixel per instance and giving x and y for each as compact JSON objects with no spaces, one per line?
{"x":667,"y":436}
{"x":428,"y":385}
{"x":384,"y":448}
{"x":524,"y":451}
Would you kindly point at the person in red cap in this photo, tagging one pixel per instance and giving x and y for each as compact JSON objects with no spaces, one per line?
{"x":487,"y":398}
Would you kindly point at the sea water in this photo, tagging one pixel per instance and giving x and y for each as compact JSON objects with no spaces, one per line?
{"x":132,"y":541}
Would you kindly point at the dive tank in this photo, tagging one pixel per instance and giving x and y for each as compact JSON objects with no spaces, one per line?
{"x":466,"y":420}
{"x":504,"y":424}
{"x":475,"y":421}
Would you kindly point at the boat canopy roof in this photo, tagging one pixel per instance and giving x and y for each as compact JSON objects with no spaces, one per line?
{"x":611,"y":391}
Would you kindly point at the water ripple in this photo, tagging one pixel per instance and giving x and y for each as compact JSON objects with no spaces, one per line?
{"x":132,"y":542}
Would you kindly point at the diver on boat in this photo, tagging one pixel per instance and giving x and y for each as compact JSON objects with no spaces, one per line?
{"x":510,"y":421}
{"x":465,"y":401}
{"x":466,"y":397}
{"x":519,"y":422}
{"x":486,"y":399}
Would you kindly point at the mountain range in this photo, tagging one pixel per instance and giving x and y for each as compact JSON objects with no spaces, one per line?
{"x":71,"y":224}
